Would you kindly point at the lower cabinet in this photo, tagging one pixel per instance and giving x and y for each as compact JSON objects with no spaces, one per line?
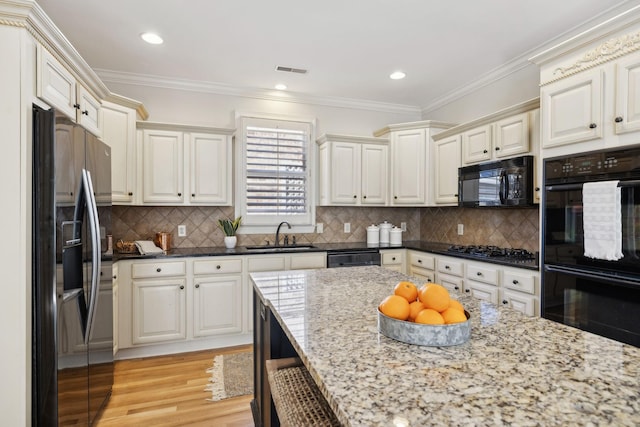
{"x":393,"y":259}
{"x":159,"y":310}
{"x":217,"y":305}
{"x":422,"y":266}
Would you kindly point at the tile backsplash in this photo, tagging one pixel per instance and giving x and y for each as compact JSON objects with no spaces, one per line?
{"x":516,"y":228}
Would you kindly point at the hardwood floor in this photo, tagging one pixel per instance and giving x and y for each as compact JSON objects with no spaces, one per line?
{"x":169,"y":391}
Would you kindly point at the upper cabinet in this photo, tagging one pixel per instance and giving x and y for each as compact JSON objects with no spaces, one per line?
{"x":353,"y":170}
{"x":590,"y":89}
{"x":60,"y":89}
{"x":412,"y":156}
{"x":184,"y":165}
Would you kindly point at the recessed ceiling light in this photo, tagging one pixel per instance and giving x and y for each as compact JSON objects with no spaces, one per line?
{"x":397,"y":75}
{"x":151,"y":38}
{"x":281,"y":86}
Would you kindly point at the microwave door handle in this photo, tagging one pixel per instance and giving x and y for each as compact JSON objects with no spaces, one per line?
{"x":502,"y":186}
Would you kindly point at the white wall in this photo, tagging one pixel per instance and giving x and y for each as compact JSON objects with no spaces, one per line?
{"x":211,"y":109}
{"x":515,"y":88}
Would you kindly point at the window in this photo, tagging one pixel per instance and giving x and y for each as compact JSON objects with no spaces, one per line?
{"x":274,"y":174}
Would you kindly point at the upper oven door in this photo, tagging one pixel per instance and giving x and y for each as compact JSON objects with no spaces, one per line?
{"x":564,"y":235}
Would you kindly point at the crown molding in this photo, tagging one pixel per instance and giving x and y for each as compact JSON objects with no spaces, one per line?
{"x":350,"y":138}
{"x":422,"y":124}
{"x":183,"y":127}
{"x":247,"y":92}
{"x":141,"y":111}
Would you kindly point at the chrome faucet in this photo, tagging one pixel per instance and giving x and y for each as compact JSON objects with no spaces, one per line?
{"x":277,"y":242}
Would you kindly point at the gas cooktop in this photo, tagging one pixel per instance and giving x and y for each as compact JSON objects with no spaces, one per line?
{"x":486,"y":251}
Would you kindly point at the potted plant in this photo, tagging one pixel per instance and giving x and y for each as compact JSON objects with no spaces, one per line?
{"x":229,"y":229}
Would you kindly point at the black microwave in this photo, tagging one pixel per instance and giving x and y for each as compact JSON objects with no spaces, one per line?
{"x":505,"y":183}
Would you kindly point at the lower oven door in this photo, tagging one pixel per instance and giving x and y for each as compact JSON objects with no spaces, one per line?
{"x":603,"y":304}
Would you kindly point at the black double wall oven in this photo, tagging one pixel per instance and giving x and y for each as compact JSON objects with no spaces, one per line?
{"x":593,"y":294}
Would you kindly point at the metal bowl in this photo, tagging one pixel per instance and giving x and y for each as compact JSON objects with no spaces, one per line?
{"x":420,"y":334}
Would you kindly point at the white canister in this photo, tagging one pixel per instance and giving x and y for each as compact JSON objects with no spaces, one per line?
{"x":373,"y":235}
{"x":385,"y":227}
{"x":395,"y":236}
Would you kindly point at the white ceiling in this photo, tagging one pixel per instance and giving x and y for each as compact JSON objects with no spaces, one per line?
{"x":349,"y":46}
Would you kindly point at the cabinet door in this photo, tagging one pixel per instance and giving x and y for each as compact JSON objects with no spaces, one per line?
{"x":425,"y":276}
{"x":55,"y":85}
{"x":572,"y":109}
{"x":482,"y":291}
{"x":209,"y":169}
{"x":445,"y":170}
{"x":453,"y":284}
{"x":158,"y":310}
{"x":162,"y":167}
{"x":627,"y":118}
{"x":521,"y":302}
{"x":408,"y":167}
{"x":375,"y":159}
{"x":119,"y":132}
{"x":512,"y":136}
{"x":476,"y":144}
{"x":217,"y":305}
{"x":345,"y":173}
{"x":89,"y":114}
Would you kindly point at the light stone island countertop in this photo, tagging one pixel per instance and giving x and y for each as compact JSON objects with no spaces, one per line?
{"x":515,"y":370}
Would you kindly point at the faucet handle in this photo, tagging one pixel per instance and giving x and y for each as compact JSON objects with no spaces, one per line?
{"x":294,"y":239}
{"x":286,"y":239}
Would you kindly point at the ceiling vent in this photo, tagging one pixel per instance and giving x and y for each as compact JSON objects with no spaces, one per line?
{"x":291,"y":70}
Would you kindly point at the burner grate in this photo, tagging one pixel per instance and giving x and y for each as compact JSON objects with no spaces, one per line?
{"x":486,"y":251}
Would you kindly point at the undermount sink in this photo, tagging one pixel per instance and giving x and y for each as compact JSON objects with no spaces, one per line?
{"x":265,"y":248}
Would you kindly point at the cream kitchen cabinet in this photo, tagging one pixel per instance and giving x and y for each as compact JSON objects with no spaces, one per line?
{"x":411,"y":158}
{"x":119,"y":132}
{"x":520,"y":290}
{"x":589,"y":92}
{"x":58,"y":87}
{"x":393,"y":259}
{"x":185,"y":165}
{"x":450,"y":274}
{"x":421,"y":265}
{"x":353,"y":170}
{"x":482,"y":281}
{"x":445,"y":170}
{"x":504,"y":138}
{"x":217,"y":296}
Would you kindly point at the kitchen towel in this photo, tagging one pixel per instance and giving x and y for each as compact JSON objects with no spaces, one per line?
{"x":147,"y":247}
{"x":602,"y":219}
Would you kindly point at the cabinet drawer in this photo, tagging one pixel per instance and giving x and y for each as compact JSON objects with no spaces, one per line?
{"x":158,"y":269}
{"x":453,"y":284}
{"x":520,"y":281}
{"x":392,"y":258}
{"x":266,"y":263}
{"x":523,"y":303}
{"x":449,"y":266}
{"x":217,"y":266}
{"x":422,"y":260}
{"x":308,"y":261}
{"x":482,"y":273}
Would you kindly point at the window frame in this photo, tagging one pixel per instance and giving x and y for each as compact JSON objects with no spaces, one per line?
{"x":250,"y":223}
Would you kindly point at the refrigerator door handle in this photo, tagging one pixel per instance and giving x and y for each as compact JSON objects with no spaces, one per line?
{"x":94,"y":230}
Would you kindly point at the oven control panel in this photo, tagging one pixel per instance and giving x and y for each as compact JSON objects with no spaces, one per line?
{"x":596,"y":163}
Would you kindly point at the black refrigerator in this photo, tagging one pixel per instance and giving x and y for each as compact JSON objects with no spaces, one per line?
{"x":72,"y":310}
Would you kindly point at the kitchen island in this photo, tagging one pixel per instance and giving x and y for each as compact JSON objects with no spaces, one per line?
{"x":515,"y":370}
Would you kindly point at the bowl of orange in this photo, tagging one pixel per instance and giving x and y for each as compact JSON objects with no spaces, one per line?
{"x":426,"y":316}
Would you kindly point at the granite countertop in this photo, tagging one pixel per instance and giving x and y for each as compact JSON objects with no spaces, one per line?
{"x":433,"y":247}
{"x":515,"y":370}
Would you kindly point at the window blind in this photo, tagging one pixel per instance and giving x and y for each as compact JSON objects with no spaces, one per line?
{"x":276,"y":171}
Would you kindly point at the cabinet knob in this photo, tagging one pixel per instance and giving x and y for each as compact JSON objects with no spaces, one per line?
{"x":429,"y":279}
{"x":456,"y":288}
{"x":158,"y":269}
{"x":355,"y":197}
{"x":181,"y":286}
{"x":419,"y":261}
{"x":497,"y":148}
{"x":179,"y":194}
{"x":485,"y":151}
{"x":446,"y":267}
{"x":478,"y":274}
{"x":130,"y":193}
{"x":76,"y":106}
{"x":467,"y":290}
{"x":71,"y":193}
{"x":394,"y":258}
{"x":504,"y":301}
{"x":455,"y":195}
{"x":593,"y":126}
{"x":515,"y":282}
{"x":115,"y":277}
{"x":85,"y":112}
{"x":395,"y":197}
{"x":537,"y":188}
{"x":364,"y":197}
{"x":193,"y":194}
{"x":197,"y":286}
{"x":218,"y":267}
{"x":618,"y":119}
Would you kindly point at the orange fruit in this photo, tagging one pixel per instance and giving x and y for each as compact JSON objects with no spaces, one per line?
{"x":456,"y":304}
{"x":434,"y":296}
{"x":407,"y":290}
{"x":430,"y":317}
{"x":395,"y":306}
{"x":453,"y":315}
{"x":414,"y":309}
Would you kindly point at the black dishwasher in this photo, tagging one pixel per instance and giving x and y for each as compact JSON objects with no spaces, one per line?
{"x":353,"y":258}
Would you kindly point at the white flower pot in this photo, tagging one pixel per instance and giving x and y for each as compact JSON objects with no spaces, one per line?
{"x":230,"y":241}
